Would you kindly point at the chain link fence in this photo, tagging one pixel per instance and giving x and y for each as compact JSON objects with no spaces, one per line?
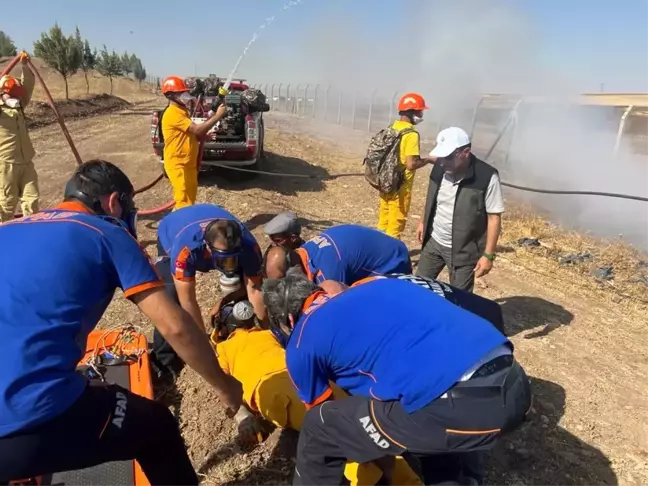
{"x":371,"y":111}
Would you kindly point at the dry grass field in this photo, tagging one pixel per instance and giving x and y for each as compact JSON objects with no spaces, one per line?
{"x":582,"y":340}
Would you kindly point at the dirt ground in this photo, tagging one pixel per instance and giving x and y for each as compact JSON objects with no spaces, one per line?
{"x":583,"y":344}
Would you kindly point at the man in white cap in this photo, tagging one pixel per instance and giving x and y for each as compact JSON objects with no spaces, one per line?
{"x":284,"y":230}
{"x":463,"y":209}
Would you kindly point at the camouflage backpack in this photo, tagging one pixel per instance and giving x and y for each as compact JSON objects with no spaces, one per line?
{"x":254,"y":98}
{"x":383,"y":169}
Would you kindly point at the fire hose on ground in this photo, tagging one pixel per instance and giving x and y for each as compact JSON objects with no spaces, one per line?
{"x":507,"y":184}
{"x":170,"y":204}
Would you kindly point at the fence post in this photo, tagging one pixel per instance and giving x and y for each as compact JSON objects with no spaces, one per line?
{"x":315,"y":100}
{"x":287,"y":96}
{"x":305,"y":100}
{"x":512,"y":118}
{"x":339,"y":115}
{"x":353,"y":110}
{"x":391,"y":108}
{"x":272,"y":103}
{"x":326,"y":100}
{"x":371,"y":102}
{"x":509,"y":148}
{"x":474,"y":120}
{"x":295,"y":105}
{"x":279,"y":97}
{"x":617,"y":142}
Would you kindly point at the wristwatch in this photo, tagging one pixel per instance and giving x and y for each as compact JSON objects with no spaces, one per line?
{"x":489,"y":256}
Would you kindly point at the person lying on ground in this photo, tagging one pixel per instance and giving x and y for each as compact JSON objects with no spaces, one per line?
{"x":345,"y":253}
{"x":255,"y":358}
{"x":51,"y":418}
{"x":284,"y":230}
{"x":203,"y":238}
{"x":425,"y":376}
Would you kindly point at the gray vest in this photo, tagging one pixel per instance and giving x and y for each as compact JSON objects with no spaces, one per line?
{"x":469,"y":220}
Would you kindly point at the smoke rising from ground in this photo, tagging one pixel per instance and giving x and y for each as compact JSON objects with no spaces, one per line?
{"x":452,"y":51}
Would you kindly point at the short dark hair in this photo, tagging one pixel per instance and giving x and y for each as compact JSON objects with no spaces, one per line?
{"x":97,"y":178}
{"x":224,"y":231}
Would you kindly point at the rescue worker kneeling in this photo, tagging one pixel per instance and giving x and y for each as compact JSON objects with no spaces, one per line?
{"x":255,"y":358}
{"x":51,"y":417}
{"x":203,"y":238}
{"x":425,"y":375}
{"x":344,"y":253}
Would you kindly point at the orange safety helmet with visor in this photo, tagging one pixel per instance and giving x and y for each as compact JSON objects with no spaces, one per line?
{"x":12,"y":87}
{"x":411,"y":102}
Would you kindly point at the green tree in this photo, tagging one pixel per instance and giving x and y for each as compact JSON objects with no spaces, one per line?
{"x":139,"y":72}
{"x":127,"y":66}
{"x":59,"y":52}
{"x":7,"y":47}
{"x":88,"y":57}
{"x":133,"y":62}
{"x":110,"y":65}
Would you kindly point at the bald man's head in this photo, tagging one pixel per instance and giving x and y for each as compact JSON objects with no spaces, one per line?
{"x":278,"y":260}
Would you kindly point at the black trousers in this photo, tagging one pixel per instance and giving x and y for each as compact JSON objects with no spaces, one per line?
{"x":107,"y":423}
{"x":165,"y":361}
{"x":435,"y":257}
{"x":471,"y":418}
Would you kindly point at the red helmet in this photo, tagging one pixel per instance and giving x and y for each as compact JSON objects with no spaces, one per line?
{"x":174,"y":84}
{"x":11,"y":86}
{"x":412,"y":101}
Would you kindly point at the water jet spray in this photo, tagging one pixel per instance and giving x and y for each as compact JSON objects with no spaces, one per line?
{"x":268,"y":21}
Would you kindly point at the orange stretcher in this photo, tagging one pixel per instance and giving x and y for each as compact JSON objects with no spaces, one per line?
{"x":122,"y":359}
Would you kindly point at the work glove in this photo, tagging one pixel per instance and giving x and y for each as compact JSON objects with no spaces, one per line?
{"x":250,"y":428}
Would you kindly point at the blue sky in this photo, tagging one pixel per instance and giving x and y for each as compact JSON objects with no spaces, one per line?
{"x":589,"y":41}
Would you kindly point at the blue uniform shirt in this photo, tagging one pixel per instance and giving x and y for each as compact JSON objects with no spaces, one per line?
{"x":387,"y":339}
{"x":348,"y":253}
{"x":57,"y":279}
{"x":182,"y":232}
{"x":483,"y":307}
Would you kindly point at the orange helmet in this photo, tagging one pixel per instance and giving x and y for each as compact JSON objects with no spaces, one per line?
{"x":11,"y":86}
{"x":173,"y":84}
{"x":411,"y":101}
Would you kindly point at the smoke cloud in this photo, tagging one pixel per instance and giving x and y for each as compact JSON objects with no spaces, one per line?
{"x":453,"y":51}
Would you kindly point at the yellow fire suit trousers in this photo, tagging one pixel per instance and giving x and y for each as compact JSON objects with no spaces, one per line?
{"x":184,"y":181}
{"x":392,"y":214}
{"x":278,"y":402}
{"x":18,"y":182}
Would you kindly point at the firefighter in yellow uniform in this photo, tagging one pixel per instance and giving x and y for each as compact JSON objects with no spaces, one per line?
{"x":255,"y":358}
{"x":182,"y":139}
{"x":394,"y":208}
{"x":18,"y":178}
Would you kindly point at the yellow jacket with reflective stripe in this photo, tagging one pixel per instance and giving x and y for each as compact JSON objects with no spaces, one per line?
{"x":15,"y":145}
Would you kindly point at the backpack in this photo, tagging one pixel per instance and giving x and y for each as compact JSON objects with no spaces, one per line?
{"x":383,"y":169}
{"x":255,"y":99}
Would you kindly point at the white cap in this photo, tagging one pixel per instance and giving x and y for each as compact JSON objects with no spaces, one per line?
{"x":449,"y":140}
